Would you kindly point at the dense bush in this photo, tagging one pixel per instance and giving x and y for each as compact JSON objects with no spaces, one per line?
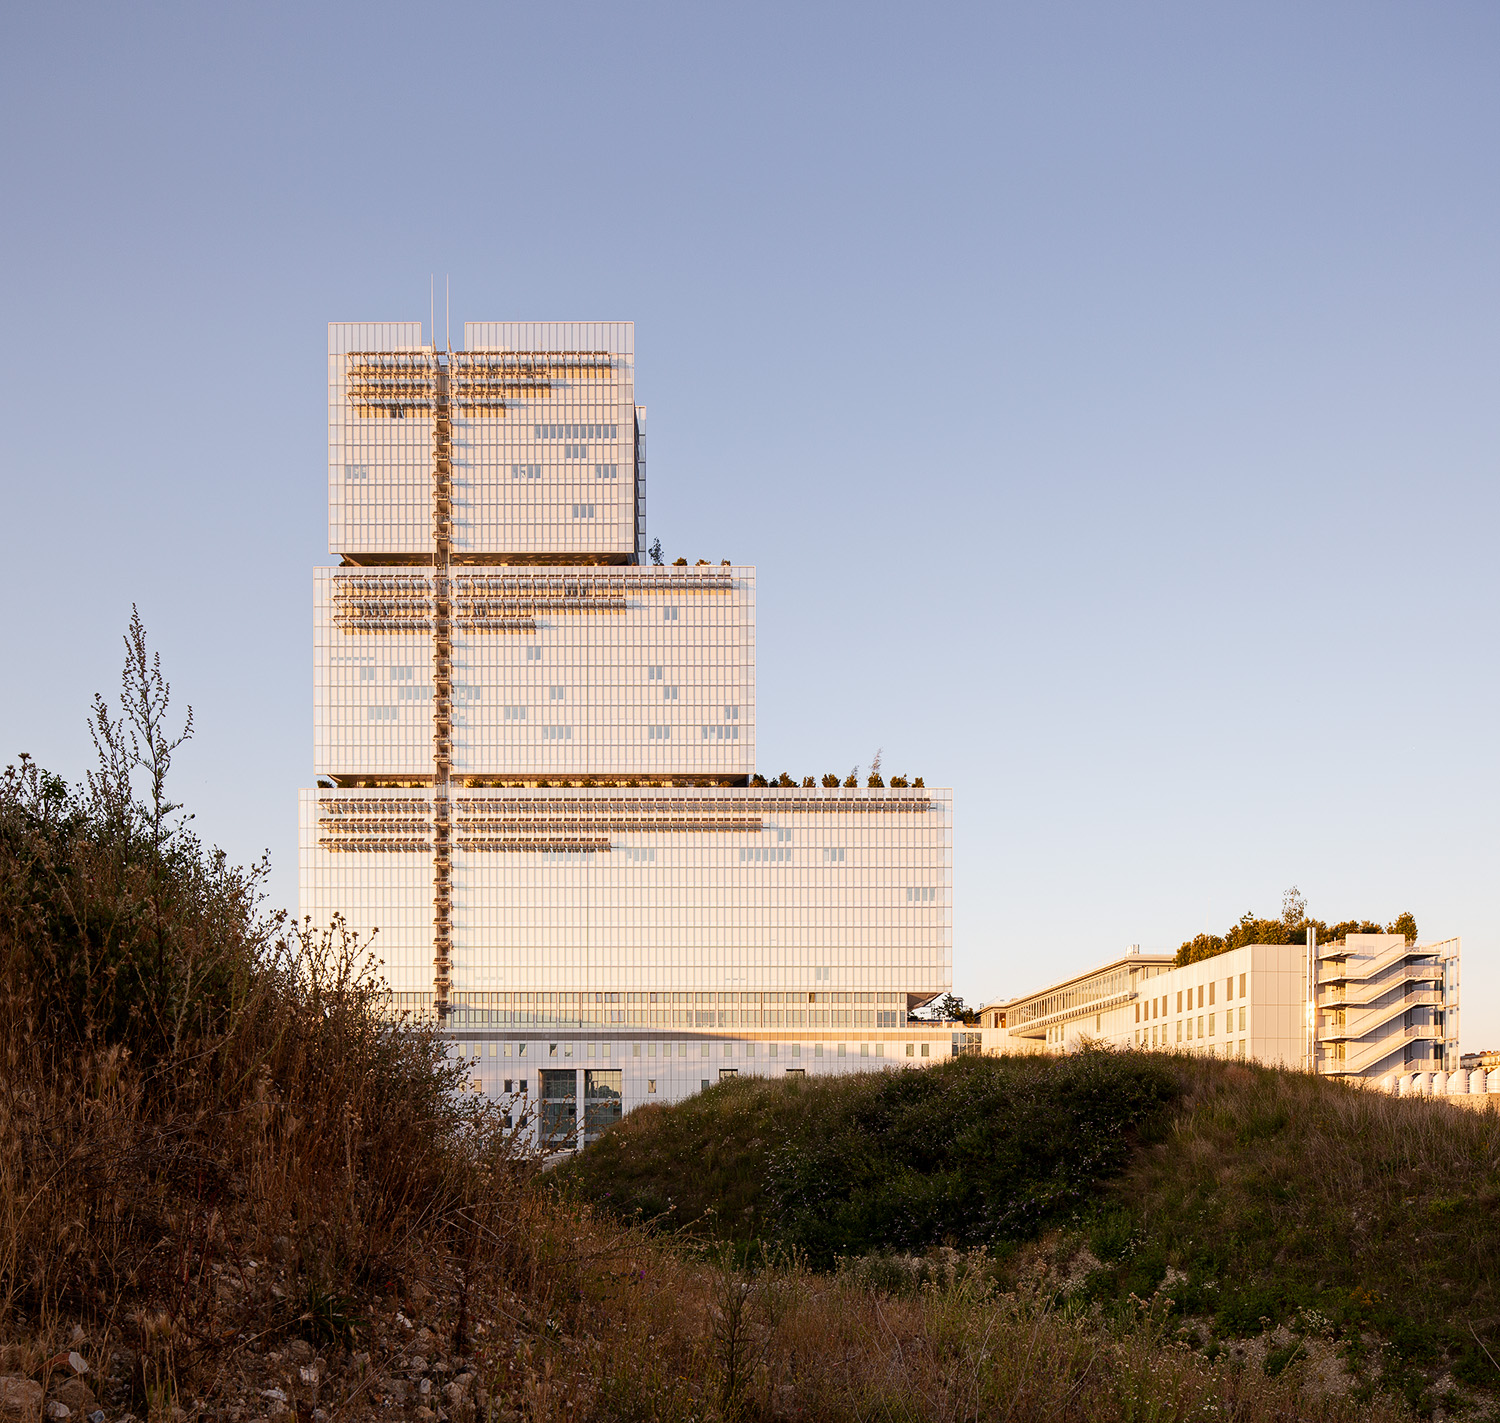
{"x":971,"y":1152}
{"x":186,"y":1081}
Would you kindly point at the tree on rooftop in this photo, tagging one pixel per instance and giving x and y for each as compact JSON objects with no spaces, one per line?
{"x":1291,"y":928}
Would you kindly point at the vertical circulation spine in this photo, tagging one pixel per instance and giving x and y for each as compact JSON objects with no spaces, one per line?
{"x":442,"y":689}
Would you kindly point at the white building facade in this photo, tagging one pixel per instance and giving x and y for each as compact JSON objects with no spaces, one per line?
{"x":1370,"y":1007}
{"x":535,"y":751}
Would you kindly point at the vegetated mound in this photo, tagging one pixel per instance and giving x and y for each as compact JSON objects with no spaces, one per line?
{"x":1335,"y":1211}
{"x":969,"y":1153}
{"x":1233,"y":1202}
{"x":232,"y":1188}
{"x":213,"y":1136}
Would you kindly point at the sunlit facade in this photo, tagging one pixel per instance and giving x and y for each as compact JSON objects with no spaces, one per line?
{"x":535,"y":753}
{"x":1368,"y":1007}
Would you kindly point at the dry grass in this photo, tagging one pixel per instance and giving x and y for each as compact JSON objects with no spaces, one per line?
{"x":658,"y":1336}
{"x":238,"y":1192}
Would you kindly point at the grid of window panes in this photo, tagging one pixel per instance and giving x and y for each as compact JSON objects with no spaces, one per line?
{"x":648,"y":890}
{"x":555,"y":671}
{"x":372,"y":691}
{"x":391,"y":891}
{"x":547,"y":446}
{"x":552,"y":470}
{"x":380,"y":457}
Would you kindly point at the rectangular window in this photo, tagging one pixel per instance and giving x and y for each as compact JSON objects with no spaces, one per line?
{"x":1242,"y":985}
{"x":1242,"y":1020}
{"x":1228,"y":988}
{"x":1210,"y":1025}
{"x":1179,"y":1000}
{"x":1179,"y":1029}
{"x":651,"y":1084}
{"x":925,"y":1047}
{"x":1210,"y":993}
{"x":669,"y":615}
{"x":1200,"y":995}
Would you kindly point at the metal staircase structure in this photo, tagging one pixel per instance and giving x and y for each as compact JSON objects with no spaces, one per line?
{"x":1367,"y":997}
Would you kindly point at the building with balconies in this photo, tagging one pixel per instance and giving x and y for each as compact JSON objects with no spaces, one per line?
{"x":534,"y":753}
{"x":1368,"y":1007}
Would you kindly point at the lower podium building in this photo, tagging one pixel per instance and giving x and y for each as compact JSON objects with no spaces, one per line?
{"x":535,"y":755}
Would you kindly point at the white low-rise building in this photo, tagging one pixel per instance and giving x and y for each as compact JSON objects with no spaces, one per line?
{"x":1369,"y":1007}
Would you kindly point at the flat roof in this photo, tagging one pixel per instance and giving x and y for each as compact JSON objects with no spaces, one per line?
{"x":1118,"y":961}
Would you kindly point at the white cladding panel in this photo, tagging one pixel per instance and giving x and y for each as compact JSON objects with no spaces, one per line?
{"x":647,"y":890}
{"x":547,"y":454}
{"x":555,"y":671}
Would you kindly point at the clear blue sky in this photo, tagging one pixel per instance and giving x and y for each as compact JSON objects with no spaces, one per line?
{"x":1106,"y":393}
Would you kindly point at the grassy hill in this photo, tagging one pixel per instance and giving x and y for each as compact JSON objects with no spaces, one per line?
{"x":975,"y":1152}
{"x":234,"y":1190}
{"x":1241,"y":1202}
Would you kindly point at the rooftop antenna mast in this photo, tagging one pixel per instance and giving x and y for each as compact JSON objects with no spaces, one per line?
{"x":447,"y":316}
{"x":432,"y":308}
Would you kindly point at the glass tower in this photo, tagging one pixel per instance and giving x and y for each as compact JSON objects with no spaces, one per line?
{"x":535,"y":751}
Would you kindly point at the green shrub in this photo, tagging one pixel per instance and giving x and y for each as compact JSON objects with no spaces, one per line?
{"x":967,"y":1153}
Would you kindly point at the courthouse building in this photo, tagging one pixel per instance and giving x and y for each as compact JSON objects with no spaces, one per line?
{"x":535,"y":753}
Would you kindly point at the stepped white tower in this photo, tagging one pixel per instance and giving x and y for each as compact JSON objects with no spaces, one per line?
{"x":535,"y":751}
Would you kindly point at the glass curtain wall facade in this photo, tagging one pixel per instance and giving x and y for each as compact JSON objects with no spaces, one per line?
{"x":534,"y":752}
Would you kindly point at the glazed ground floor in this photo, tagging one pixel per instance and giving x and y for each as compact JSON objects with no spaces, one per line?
{"x":568,"y":1088}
